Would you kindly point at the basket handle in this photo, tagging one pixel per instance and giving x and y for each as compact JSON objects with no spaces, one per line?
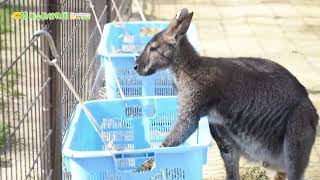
{"x":133,"y":154}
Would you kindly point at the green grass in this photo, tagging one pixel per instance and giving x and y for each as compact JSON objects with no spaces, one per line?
{"x":8,"y":87}
{"x":5,"y":162}
{"x":4,"y":133}
{"x":5,"y":16}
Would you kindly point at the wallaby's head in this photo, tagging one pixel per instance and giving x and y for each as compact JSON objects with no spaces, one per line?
{"x":159,"y":52}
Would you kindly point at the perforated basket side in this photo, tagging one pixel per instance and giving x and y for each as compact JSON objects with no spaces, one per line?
{"x":164,"y":84}
{"x":160,"y":127}
{"x":132,"y":84}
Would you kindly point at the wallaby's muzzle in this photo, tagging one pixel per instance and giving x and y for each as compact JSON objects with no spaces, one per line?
{"x":142,"y":70}
{"x":145,"y":73}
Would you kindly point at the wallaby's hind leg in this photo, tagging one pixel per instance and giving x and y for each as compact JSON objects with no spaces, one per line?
{"x":296,"y":159}
{"x":231,"y":163}
{"x":300,"y":136}
{"x":229,"y":153}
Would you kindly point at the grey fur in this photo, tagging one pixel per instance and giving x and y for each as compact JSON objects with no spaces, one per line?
{"x":256,"y":108}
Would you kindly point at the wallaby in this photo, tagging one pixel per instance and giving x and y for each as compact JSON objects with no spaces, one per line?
{"x":256,"y":108}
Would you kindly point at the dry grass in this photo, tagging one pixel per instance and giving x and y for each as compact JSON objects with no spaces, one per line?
{"x":253,"y":173}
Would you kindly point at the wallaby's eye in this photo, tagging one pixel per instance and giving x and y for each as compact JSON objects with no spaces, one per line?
{"x":153,"y":47}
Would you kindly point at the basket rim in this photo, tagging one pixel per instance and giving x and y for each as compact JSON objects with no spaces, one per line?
{"x":66,"y":152}
{"x":106,"y":31}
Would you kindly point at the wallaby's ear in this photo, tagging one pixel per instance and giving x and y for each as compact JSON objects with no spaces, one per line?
{"x":179,"y":24}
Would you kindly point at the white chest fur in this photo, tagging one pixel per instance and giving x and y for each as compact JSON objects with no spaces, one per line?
{"x":215,"y":117}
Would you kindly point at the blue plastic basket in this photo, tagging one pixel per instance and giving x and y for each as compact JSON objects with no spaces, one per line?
{"x":121,"y":60}
{"x":131,"y":37}
{"x":135,"y":130}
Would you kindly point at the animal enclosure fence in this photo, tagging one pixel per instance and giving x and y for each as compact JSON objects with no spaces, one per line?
{"x":25,"y":125}
{"x":34,"y":102}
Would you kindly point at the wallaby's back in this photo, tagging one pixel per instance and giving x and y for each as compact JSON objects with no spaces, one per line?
{"x":256,"y":94}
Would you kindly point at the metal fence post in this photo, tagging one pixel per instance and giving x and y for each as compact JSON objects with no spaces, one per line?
{"x":55,"y":98}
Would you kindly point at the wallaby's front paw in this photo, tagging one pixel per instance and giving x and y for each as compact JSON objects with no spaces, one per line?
{"x":172,"y":141}
{"x":165,"y":144}
{"x":161,"y":146}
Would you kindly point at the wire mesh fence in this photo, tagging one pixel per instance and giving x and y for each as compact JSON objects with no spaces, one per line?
{"x":34,"y":102}
{"x":25,"y":126}
{"x":76,"y":42}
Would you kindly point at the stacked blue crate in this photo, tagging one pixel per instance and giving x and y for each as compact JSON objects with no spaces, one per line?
{"x":120,"y":45}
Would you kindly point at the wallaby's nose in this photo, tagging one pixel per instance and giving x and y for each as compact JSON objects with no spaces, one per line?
{"x":135,"y":67}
